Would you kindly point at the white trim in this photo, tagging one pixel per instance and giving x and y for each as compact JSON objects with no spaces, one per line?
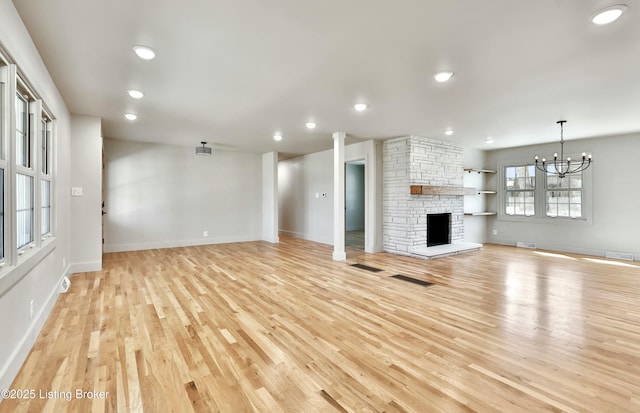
{"x":85,"y":267}
{"x":339,"y":256}
{"x":180,"y":243}
{"x":338,"y":196}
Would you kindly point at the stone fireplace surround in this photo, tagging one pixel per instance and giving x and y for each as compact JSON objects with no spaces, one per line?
{"x":431,"y":163}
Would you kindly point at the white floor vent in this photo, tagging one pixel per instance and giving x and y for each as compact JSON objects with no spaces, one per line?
{"x":619,"y":255}
{"x":525,"y":244}
{"x":65,"y":284}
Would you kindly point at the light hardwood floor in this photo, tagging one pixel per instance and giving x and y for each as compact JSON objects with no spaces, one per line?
{"x":257,"y":327}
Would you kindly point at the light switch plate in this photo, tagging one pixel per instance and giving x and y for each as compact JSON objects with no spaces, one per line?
{"x":76,"y":191}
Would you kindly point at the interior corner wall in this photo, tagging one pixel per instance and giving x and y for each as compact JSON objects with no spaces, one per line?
{"x":38,"y":277}
{"x":163,"y":196}
{"x":86,"y":209}
{"x":615,"y":197}
{"x":475,"y":227}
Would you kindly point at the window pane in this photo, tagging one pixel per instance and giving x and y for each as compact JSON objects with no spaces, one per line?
{"x":45,"y":199}
{"x":520,"y":183}
{"x":575,"y":181}
{"x":44,"y":150}
{"x":1,"y":214}
{"x":530,"y":209}
{"x":2,"y":119}
{"x":24,"y":209}
{"x":22,"y":131}
{"x":510,"y":183}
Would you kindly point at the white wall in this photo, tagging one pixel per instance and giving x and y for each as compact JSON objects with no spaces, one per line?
{"x":303,"y":215}
{"x":160,"y":196}
{"x":615,"y":194}
{"x":86,"y":173}
{"x":354,"y":197}
{"x":38,"y":274}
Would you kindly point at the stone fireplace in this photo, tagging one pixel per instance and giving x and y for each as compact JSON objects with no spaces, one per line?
{"x":421,"y":176}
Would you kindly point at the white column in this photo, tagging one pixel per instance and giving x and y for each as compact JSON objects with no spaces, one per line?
{"x":270,"y":197}
{"x":339,"y":253}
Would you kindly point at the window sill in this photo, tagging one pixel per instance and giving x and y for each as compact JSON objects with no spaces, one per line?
{"x":10,"y":275}
{"x":543,"y":220}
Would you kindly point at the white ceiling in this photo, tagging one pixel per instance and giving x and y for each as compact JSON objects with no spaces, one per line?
{"x":233,"y":72}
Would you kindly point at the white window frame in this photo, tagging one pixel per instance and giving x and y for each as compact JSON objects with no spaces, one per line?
{"x":45,"y":170}
{"x":34,"y":109}
{"x":16,"y":260}
{"x":540,"y":197}
{"x":5,"y":127}
{"x":515,"y":191}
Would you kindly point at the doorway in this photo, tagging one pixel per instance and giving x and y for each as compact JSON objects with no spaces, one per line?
{"x":354,"y":204}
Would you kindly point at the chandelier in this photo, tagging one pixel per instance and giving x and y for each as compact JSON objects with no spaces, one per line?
{"x":562,"y":167}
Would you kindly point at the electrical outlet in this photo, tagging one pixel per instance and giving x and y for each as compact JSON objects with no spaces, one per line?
{"x":495,"y":232}
{"x":205,"y":234}
{"x":31,"y":310}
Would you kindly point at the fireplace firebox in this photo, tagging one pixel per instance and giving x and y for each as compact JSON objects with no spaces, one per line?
{"x":438,"y":229}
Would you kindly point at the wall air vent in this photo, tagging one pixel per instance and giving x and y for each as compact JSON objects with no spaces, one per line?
{"x":526,"y":244}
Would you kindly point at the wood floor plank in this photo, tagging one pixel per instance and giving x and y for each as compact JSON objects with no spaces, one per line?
{"x":259,"y":327}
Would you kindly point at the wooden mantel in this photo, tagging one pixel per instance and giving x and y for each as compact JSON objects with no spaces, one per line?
{"x":441,"y":190}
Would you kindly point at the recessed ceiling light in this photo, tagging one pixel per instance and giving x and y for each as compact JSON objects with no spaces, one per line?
{"x":488,"y":140}
{"x":443,"y":76}
{"x":310,"y":125}
{"x":277,"y":137}
{"x":131,"y":116}
{"x":608,"y":15}
{"x":448,"y":132}
{"x":136,"y":94}
{"x":360,"y":107}
{"x":144,"y":52}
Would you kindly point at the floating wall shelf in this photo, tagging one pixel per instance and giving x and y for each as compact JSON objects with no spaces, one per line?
{"x":476,"y":214}
{"x":484,"y":171}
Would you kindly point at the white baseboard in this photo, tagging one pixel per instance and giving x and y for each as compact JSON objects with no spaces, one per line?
{"x":559,"y":248}
{"x":179,"y":243}
{"x":292,"y":234}
{"x":17,"y":358}
{"x":77,"y":267}
{"x":339,"y":256}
